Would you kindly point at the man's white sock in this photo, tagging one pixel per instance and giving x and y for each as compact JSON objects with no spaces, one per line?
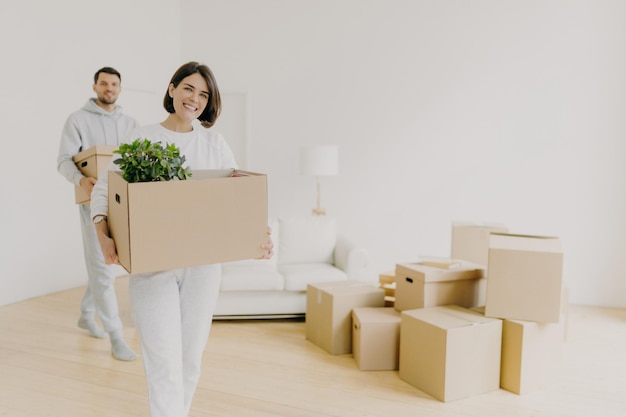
{"x":92,"y":327}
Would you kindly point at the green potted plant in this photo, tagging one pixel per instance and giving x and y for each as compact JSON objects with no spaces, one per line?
{"x":145,"y":161}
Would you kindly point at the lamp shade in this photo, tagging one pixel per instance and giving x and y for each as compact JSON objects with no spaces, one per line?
{"x":320,"y":160}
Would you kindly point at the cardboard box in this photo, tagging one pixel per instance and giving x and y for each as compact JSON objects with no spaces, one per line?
{"x":215,"y":216}
{"x":376,"y":338}
{"x":91,"y":162}
{"x":530,"y":353}
{"x":387,"y":282}
{"x":470,"y":241}
{"x":430,"y":283}
{"x":388,"y":277}
{"x":450,"y":352}
{"x":525,"y":278}
{"x":329,"y":312}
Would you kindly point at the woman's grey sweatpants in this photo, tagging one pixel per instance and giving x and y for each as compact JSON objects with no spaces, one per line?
{"x":173,"y":311}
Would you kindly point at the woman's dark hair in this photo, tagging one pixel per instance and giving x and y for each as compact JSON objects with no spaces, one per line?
{"x":214,"y":105}
{"x":106,"y":70}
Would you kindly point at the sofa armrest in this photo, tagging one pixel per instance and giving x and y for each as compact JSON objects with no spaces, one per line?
{"x":351,"y":259}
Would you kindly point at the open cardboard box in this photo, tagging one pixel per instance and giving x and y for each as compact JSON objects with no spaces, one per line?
{"x":525,"y":277}
{"x":215,"y":216}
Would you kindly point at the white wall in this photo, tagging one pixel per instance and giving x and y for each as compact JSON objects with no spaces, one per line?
{"x":50,"y":51}
{"x":443,"y":110}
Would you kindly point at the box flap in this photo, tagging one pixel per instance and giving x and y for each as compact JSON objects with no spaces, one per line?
{"x":521,"y":242}
{"x":426,"y":273}
{"x":94,"y":150}
{"x":450,"y":317}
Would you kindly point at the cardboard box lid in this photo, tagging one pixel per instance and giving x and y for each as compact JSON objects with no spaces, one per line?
{"x":450,"y":317}
{"x":349,"y":287}
{"x":481,"y":225}
{"x":376,"y":315}
{"x":94,"y":150}
{"x":533,"y":243}
{"x":428,"y":271}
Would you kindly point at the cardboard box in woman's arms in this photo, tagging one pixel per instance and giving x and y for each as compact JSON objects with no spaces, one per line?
{"x":215,"y":216}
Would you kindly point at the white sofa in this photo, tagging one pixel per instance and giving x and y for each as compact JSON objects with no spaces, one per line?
{"x":307,"y":250}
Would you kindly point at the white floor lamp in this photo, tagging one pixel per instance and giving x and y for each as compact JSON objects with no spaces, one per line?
{"x":317,"y":161}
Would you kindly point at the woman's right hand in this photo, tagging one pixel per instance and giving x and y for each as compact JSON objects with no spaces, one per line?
{"x":107,"y":244}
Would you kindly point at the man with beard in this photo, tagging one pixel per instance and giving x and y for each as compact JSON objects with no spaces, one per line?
{"x":99,"y":122}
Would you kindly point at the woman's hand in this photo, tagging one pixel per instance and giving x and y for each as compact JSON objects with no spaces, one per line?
{"x":107,"y":244}
{"x":268,"y":245}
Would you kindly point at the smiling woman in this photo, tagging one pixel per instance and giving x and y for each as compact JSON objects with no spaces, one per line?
{"x":173,"y":309}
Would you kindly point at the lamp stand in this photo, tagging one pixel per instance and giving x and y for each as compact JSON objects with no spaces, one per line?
{"x":318,"y":211}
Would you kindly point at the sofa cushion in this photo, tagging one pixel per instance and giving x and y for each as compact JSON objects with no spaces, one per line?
{"x":251,"y":278}
{"x":298,"y":276}
{"x":309,"y":239}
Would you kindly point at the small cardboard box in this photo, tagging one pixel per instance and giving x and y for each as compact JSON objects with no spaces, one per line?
{"x":430,"y":283}
{"x":329,"y":312}
{"x":91,"y":162}
{"x":215,"y":216}
{"x":376,"y":338}
{"x":525,"y":277}
{"x":450,"y":352}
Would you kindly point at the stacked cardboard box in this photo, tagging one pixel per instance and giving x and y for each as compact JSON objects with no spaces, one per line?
{"x":525,"y":290}
{"x":525,"y":277}
{"x":470,"y":242}
{"x":387,"y":281}
{"x":436,"y":282}
{"x":530,"y":352}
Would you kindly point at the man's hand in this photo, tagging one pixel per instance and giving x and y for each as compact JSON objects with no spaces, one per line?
{"x":87,"y":183}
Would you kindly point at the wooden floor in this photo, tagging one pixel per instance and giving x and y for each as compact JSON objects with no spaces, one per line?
{"x":266,"y":368}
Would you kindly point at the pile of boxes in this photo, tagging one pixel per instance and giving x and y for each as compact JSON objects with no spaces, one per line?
{"x":490,"y":316}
